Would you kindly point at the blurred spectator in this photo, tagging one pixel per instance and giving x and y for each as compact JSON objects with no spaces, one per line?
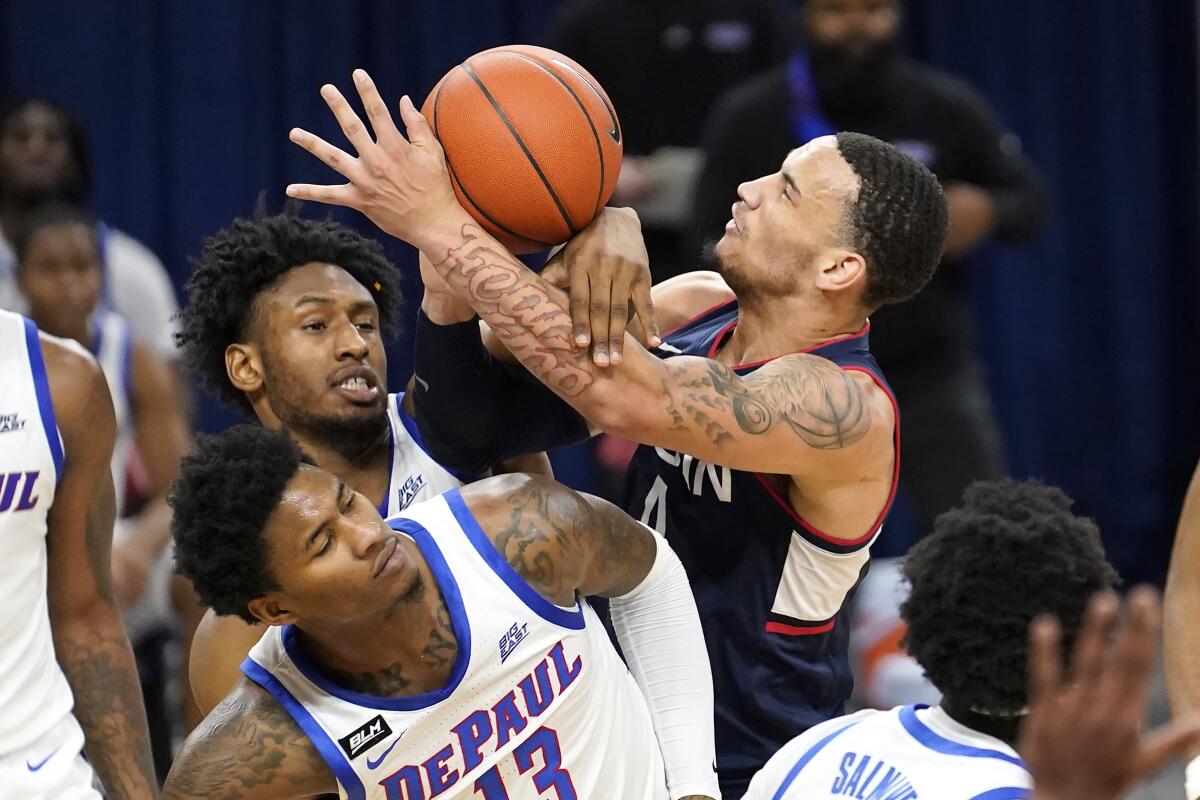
{"x":59,"y":273}
{"x":849,"y":74}
{"x":43,"y":158}
{"x":662,"y":63}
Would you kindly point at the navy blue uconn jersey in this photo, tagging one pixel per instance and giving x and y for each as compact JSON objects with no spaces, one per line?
{"x":770,"y":587}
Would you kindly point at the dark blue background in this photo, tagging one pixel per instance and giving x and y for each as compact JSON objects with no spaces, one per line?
{"x":1089,"y":334}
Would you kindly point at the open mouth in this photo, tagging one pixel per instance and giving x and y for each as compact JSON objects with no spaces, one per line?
{"x":358,"y":385}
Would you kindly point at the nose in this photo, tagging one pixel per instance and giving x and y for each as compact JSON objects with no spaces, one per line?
{"x":350,"y":342}
{"x":364,"y":537}
{"x":751,"y":192}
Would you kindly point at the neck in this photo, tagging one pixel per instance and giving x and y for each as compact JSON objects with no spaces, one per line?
{"x":408,"y":648}
{"x":759,"y":335}
{"x":364,"y":468}
{"x":1003,"y":728}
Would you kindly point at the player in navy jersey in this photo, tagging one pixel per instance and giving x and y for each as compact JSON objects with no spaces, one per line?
{"x":770,"y":438}
{"x":286,"y":320}
{"x":446,"y":652}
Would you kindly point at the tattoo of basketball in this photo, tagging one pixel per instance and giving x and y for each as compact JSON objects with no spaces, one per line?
{"x":820,"y":402}
{"x":519,"y":309}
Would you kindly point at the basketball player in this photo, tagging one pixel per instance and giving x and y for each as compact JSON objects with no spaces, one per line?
{"x":62,"y":648}
{"x":286,"y":321}
{"x":446,"y":652}
{"x":968,"y":628}
{"x":1181,"y":644}
{"x":770,"y":455}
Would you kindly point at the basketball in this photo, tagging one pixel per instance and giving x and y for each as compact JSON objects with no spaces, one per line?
{"x":532,"y":142}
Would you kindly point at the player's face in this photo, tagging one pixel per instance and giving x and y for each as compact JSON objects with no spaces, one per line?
{"x":782,"y":223}
{"x":60,"y":277}
{"x":323,"y":364}
{"x":333,"y":556}
{"x":856,"y":30}
{"x":35,"y":154}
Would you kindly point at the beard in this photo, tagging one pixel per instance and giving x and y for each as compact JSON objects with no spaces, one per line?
{"x":350,"y":433}
{"x":850,"y":82}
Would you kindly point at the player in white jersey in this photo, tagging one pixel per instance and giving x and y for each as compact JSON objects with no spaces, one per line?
{"x":1009,"y":552}
{"x":62,"y":648}
{"x":446,"y":652}
{"x":286,"y":320}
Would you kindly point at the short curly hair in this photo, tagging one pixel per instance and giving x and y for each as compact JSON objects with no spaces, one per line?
{"x":227,"y":488}
{"x":50,"y":215}
{"x":1009,"y":552}
{"x":251,"y":255}
{"x":899,"y":221}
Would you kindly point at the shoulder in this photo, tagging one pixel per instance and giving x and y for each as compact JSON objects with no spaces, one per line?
{"x":680,"y":299}
{"x":249,"y":743}
{"x":496,"y":501}
{"x":78,"y":389}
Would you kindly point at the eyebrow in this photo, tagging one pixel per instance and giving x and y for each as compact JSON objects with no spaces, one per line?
{"x":316,"y":532}
{"x":791,"y":182}
{"x":316,"y":299}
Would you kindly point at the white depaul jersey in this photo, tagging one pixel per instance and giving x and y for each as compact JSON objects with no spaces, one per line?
{"x":538,"y":704}
{"x":414,"y":476}
{"x":34,"y":695}
{"x":908,"y":753}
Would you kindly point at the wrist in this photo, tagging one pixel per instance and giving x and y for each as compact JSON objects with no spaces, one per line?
{"x":443,"y":232}
{"x":444,"y":309}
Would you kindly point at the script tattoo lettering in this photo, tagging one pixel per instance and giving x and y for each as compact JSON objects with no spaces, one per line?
{"x":531,"y":323}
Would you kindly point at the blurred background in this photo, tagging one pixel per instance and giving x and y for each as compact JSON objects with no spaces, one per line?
{"x":1076,"y":317}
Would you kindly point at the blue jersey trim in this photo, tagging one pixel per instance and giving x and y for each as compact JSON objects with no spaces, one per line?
{"x":41,"y":388}
{"x":567,"y":618}
{"x":97,"y":327}
{"x":1004,"y":793}
{"x":410,"y":425}
{"x":127,"y":364}
{"x":935,"y":741}
{"x":458,"y":619}
{"x":807,"y":757}
{"x":384,"y":504}
{"x":329,"y":751}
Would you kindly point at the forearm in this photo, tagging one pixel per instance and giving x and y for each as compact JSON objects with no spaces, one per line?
{"x":1181,"y":608}
{"x":529,"y":315}
{"x":95,"y":656}
{"x":474,"y":411}
{"x":658,"y":627}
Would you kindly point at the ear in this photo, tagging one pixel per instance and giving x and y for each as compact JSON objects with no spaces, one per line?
{"x":268,"y":609}
{"x":244,"y":367}
{"x":842,"y":270}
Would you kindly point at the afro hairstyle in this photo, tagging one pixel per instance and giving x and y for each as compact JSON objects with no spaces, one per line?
{"x":227,"y":488}
{"x":238,"y":263}
{"x":1007,"y":553}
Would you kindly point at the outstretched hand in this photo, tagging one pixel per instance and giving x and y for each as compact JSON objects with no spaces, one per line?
{"x":400,"y":183}
{"x":1083,"y":739}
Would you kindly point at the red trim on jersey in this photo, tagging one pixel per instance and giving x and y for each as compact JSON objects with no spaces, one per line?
{"x":783,"y":503}
{"x":705,"y":312}
{"x":720,"y":338}
{"x":791,"y":630}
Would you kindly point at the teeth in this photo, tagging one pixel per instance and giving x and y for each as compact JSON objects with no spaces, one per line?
{"x":354,"y":383}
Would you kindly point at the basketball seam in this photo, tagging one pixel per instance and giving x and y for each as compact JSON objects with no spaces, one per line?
{"x":450,"y":168}
{"x":586,"y":116}
{"x":466,"y":66}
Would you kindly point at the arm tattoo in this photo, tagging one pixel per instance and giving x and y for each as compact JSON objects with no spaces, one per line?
{"x":565,"y":543}
{"x":108,"y":704}
{"x":542,"y":530}
{"x":520,"y":309}
{"x":818,"y":401}
{"x":247,"y":744}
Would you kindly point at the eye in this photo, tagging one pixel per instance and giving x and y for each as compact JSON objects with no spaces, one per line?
{"x":325,"y":547}
{"x":349,"y":504}
{"x":366,"y":326}
{"x":316,"y":325}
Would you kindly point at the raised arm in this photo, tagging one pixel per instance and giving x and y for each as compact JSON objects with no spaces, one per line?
{"x":88,"y":637}
{"x":248,"y":748}
{"x":567,"y":544}
{"x":797,"y":416}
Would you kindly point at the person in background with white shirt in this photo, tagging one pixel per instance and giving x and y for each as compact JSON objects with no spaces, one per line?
{"x":44,"y":158}
{"x":1010,"y":552}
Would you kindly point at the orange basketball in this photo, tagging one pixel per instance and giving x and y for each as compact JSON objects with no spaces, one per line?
{"x":532,"y":141}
